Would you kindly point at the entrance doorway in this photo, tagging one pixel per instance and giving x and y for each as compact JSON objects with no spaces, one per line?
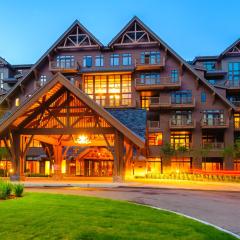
{"x":98,"y":168}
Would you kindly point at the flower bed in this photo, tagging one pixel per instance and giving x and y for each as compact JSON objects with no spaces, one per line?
{"x":195,"y":177}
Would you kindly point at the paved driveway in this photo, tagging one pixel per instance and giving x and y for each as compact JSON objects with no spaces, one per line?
{"x":221,"y":208}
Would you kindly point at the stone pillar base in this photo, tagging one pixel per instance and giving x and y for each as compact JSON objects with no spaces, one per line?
{"x":57,"y":177}
{"x":17,"y":178}
{"x":118,"y":179}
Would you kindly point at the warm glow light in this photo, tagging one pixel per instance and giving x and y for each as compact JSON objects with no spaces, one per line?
{"x":177,"y":170}
{"x":11,"y":170}
{"x":82,"y":139}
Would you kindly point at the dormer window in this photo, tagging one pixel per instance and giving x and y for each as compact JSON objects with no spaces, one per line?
{"x":209,"y":66}
{"x":43,"y":80}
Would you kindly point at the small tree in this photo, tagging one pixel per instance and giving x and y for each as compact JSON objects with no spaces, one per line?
{"x":182,"y":150}
{"x":202,"y":152}
{"x":167,"y":151}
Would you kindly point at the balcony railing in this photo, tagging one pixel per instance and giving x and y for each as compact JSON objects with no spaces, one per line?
{"x":182,"y":123}
{"x":146,"y":64}
{"x":158,"y":102}
{"x":153,"y":125}
{"x":214,"y":123}
{"x":157,"y":83}
{"x":55,"y":66}
{"x":213,"y":145}
{"x":233,"y":83}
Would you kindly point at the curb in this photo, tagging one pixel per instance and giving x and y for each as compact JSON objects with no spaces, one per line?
{"x":192,"y":218}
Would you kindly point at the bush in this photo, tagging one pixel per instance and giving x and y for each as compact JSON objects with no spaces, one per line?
{"x":18,"y":190}
{"x":5,"y":189}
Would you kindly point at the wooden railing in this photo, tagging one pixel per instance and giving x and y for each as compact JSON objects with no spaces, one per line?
{"x":169,"y":102}
{"x":213,"y":145}
{"x":63,"y":66}
{"x":153,"y":124}
{"x":164,"y":81}
{"x":150,"y":62}
{"x":182,"y":123}
{"x":233,"y":83}
{"x":214,"y":122}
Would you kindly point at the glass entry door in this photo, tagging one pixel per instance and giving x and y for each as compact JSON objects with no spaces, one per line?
{"x":98,"y":168}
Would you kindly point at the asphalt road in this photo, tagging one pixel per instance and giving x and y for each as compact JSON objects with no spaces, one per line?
{"x":221,"y":208}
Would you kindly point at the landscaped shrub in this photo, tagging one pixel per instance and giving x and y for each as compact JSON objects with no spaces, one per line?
{"x":5,"y":189}
{"x":195,"y":177}
{"x":18,"y":190}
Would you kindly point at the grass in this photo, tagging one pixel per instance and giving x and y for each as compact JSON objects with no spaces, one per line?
{"x":49,"y":216}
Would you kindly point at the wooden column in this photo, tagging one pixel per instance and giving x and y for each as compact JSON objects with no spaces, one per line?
{"x":18,"y":159}
{"x":118,"y":169}
{"x":228,"y":163}
{"x":58,"y":157}
{"x":128,"y":171}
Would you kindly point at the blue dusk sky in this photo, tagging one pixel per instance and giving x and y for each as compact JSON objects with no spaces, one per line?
{"x":191,"y":28}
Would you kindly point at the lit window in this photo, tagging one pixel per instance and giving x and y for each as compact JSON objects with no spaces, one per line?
{"x":99,"y":61}
{"x":181,"y":164}
{"x":17,"y":102}
{"x":114,"y":60}
{"x":237,"y":120}
{"x":43,"y":80}
{"x":180,"y":139}
{"x":145,"y":102}
{"x":155,"y":139}
{"x":88,"y":85}
{"x":101,"y":100}
{"x":87,"y":61}
{"x":203,"y":97}
{"x":126,"y":59}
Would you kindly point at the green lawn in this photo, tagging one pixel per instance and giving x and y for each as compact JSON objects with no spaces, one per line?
{"x":48,"y":216}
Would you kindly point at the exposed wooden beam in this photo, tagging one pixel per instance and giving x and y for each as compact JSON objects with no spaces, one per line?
{"x":64,"y":131}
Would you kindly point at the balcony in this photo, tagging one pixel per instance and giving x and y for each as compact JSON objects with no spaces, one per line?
{"x":219,"y":123}
{"x":149,"y":64}
{"x":213,"y":145}
{"x":182,"y":124}
{"x":171,"y":103}
{"x":153,"y":126}
{"x":65,"y":67}
{"x":233,"y":85}
{"x":157,"y":83}
{"x":217,"y":72}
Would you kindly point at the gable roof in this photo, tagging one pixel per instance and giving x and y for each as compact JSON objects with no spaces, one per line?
{"x":44,"y":56}
{"x":4,"y":62}
{"x":58,"y":78}
{"x":229,"y":48}
{"x":178,"y":57}
{"x":155,"y":36}
{"x":134,"y":119}
{"x":135,"y":19}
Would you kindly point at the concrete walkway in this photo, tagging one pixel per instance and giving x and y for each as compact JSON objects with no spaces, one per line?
{"x":219,"y":207}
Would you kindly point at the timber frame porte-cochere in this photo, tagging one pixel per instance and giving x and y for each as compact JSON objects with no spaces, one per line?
{"x":85,"y":109}
{"x":56,"y":115}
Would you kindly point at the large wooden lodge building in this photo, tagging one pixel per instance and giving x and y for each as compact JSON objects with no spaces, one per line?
{"x":85,"y":109}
